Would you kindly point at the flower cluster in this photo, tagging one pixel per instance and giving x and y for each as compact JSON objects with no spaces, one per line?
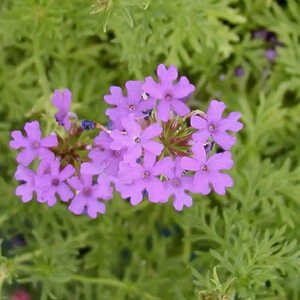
{"x":154,"y":148}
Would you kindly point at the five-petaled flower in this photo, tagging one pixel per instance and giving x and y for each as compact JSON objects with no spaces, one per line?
{"x":215,"y":126}
{"x":208,"y":170}
{"x":32,"y":144}
{"x":167,"y":93}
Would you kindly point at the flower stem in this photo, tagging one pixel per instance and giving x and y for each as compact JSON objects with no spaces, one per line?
{"x":199,"y":112}
{"x":187,"y":245}
{"x":113,"y":283}
{"x":100,"y":126}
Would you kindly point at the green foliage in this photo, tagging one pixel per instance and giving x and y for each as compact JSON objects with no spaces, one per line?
{"x":244,"y":245}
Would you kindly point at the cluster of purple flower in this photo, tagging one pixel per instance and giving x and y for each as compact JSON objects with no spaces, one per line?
{"x":155,"y":148}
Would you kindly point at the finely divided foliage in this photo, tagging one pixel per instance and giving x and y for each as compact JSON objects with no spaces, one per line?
{"x":145,"y":187}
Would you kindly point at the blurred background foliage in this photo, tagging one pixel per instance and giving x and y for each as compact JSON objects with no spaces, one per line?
{"x":244,"y":245}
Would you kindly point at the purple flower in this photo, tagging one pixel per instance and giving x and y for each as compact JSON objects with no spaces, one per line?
{"x":51,"y":180}
{"x":133,"y":103}
{"x":104,"y":160}
{"x":135,"y":139}
{"x":26,"y":190}
{"x":177,"y":185}
{"x":271,"y":54}
{"x":87,"y":195}
{"x":239,"y":71}
{"x":168,"y":93}
{"x":32,"y":144}
{"x":215,"y":126}
{"x":134,"y":179}
{"x":208,"y":170}
{"x":62,"y":101}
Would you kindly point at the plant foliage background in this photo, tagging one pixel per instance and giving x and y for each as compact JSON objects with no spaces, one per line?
{"x":244,"y":245}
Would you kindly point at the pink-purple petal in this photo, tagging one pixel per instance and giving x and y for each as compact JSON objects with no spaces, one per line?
{"x":26,"y":156}
{"x":49,"y":141}
{"x":215,"y":110}
{"x":225,"y":140}
{"x":75,"y":183}
{"x":231,"y":122}
{"x":220,"y":161}
{"x":64,"y":192}
{"x":115,"y":97}
{"x":33,"y":130}
{"x":94,"y":208}
{"x":220,"y":182}
{"x":183,"y":88}
{"x":189,"y":163}
{"x":164,"y":166}
{"x":201,"y":184}
{"x":163,"y":111}
{"x":199,"y":152}
{"x":134,"y":91}
{"x":180,"y":108}
{"x":77,"y":205}
{"x":153,"y":147}
{"x":167,"y":74}
{"x":152,"y":88}
{"x":152,"y":131}
{"x":198,"y":123}
{"x":18,"y":141}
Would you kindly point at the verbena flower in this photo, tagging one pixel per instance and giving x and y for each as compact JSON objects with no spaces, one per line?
{"x":33,"y":143}
{"x":215,"y":126}
{"x":144,"y":151}
{"x":178,"y":184}
{"x":135,"y":178}
{"x":27,"y":189}
{"x":51,"y":180}
{"x":87,"y":195}
{"x":169,"y":93}
{"x":207,"y":170}
{"x":135,"y":139}
{"x":103,"y":158}
{"x":133,"y":103}
{"x":62,"y":101}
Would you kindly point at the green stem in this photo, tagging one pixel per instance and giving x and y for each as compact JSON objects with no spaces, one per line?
{"x":187,"y":245}
{"x":113,"y":283}
{"x":43,"y":80}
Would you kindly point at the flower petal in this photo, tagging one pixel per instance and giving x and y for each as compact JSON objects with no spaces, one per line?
{"x":33,"y":130}
{"x":231,"y":122}
{"x":67,"y":172}
{"x":49,"y":141}
{"x":163,"y":111}
{"x":152,"y":88}
{"x":180,"y":108}
{"x":64,"y":192}
{"x":220,"y":161}
{"x":164,"y":166}
{"x":215,"y":110}
{"x":189,"y":163}
{"x":18,"y":141}
{"x":134,"y":91}
{"x":198,"y":122}
{"x":115,"y":97}
{"x":166,"y":75}
{"x":153,"y":147}
{"x":77,"y":205}
{"x":220,"y":181}
{"x":224,"y":140}
{"x":201,"y":183}
{"x":26,"y":156}
{"x":151,"y":131}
